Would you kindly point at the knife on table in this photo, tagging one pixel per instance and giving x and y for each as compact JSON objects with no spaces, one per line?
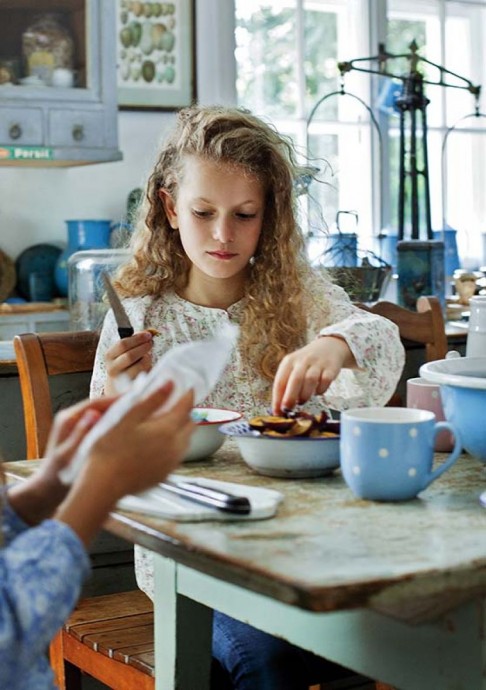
{"x":213,"y":498}
{"x":125,"y":329}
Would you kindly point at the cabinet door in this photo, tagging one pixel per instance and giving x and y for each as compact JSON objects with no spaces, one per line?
{"x":60,"y":102}
{"x":21,"y":126}
{"x":76,"y":128}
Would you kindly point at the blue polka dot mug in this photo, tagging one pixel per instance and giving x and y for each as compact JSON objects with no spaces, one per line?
{"x":387,"y":453}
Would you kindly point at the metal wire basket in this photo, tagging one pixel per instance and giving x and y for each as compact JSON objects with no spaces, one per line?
{"x":365,"y":283}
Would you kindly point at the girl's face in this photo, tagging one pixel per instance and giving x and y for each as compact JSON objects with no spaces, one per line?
{"x":218,"y":214}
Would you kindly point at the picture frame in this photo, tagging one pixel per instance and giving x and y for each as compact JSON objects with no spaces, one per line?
{"x":155,"y":54}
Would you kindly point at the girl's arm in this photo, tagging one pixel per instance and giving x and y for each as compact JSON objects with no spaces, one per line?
{"x":352,"y":359}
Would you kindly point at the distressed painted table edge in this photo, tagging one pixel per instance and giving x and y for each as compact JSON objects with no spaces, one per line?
{"x":384,"y":591}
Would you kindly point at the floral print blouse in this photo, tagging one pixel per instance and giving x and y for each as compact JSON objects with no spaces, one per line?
{"x":373,"y":340}
{"x":41,"y":572}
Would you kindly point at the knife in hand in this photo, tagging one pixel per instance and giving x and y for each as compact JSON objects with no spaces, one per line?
{"x":125,"y":329}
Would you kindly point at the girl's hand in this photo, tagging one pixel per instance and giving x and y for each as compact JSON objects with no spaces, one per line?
{"x":309,"y":371}
{"x":129,"y":356}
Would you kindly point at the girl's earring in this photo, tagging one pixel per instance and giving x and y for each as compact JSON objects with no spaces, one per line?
{"x":252,"y":261}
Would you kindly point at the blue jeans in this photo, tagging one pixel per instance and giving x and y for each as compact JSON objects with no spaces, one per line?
{"x":248,"y":659}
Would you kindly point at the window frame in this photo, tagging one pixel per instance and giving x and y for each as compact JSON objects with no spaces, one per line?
{"x":376,"y":14}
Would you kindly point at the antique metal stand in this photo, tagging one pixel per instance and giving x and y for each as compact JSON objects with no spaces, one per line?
{"x":420,"y":257}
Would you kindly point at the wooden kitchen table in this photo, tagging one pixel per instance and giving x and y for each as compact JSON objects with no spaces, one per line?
{"x":394,"y":591}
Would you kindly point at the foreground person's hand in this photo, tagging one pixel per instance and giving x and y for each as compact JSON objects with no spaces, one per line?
{"x":38,"y":497}
{"x":138,"y":452}
{"x":309,"y":371}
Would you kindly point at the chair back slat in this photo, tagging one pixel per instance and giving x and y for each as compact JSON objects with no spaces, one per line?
{"x":40,"y":356}
{"x":425,"y":326}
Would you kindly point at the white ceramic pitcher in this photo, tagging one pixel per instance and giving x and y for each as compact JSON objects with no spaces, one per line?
{"x":476,"y":339}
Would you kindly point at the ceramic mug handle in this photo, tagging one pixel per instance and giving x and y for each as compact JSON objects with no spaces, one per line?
{"x":454,"y":454}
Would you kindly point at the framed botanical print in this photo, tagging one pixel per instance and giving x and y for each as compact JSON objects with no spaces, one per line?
{"x":155,"y":54}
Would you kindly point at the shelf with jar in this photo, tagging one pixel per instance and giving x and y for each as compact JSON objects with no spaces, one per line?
{"x":58,"y":103}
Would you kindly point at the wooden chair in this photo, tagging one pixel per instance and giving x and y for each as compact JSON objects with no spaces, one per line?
{"x":422,"y":328}
{"x":109,"y":637}
{"x":41,"y":356}
{"x":425,"y":326}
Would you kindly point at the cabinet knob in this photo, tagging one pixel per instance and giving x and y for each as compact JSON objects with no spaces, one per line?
{"x":78,"y":132}
{"x":15,"y":131}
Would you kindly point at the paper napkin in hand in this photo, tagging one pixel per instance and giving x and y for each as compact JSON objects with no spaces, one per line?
{"x":196,"y":365}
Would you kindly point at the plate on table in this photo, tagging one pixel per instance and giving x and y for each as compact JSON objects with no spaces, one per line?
{"x":40,"y":259}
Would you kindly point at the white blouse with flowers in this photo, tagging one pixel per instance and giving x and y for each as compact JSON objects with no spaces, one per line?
{"x":373,"y":340}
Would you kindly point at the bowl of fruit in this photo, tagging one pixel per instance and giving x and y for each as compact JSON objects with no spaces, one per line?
{"x":298,"y":446}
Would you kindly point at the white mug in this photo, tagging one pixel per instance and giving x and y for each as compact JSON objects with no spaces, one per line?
{"x":476,"y":338}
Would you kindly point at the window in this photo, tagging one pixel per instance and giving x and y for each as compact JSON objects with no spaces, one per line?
{"x":287,"y":54}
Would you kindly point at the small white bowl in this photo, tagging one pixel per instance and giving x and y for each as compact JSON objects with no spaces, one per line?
{"x":294,"y":457}
{"x":206,"y":439}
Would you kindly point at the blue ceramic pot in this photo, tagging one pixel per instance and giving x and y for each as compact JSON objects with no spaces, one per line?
{"x":420,"y":266}
{"x":82,"y":234}
{"x":451,"y":255}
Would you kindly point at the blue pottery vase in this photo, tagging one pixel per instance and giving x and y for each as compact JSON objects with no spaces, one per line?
{"x":451,"y":255}
{"x":82,"y":234}
{"x":386,"y":248}
{"x":420,"y":271}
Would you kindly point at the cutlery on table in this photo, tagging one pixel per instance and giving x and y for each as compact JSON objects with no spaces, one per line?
{"x":213,"y":498}
{"x":125,"y":328}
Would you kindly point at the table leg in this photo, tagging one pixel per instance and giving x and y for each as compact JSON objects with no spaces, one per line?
{"x":446,"y":653}
{"x":183,"y":634}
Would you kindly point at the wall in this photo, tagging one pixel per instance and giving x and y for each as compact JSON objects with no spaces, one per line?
{"x":34,"y":203}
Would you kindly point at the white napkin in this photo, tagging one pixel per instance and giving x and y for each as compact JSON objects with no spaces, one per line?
{"x":197,"y":365}
{"x":156,"y":501}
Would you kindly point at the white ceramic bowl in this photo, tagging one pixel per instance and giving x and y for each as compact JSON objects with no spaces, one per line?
{"x":463,"y":391}
{"x":294,"y":457}
{"x":206,"y":439}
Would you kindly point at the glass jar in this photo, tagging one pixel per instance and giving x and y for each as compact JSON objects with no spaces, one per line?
{"x":87,"y":307}
{"x":47,"y":45}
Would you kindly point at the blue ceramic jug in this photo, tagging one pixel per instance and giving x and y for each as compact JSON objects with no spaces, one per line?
{"x":451,"y":255}
{"x":82,"y":234}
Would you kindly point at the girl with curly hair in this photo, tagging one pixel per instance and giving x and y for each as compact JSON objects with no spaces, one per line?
{"x":218,"y":240}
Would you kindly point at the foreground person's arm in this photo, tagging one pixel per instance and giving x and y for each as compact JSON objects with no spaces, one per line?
{"x":127,"y":463}
{"x":43,"y":567}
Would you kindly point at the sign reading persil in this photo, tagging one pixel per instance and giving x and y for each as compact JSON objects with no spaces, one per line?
{"x":26,"y":153}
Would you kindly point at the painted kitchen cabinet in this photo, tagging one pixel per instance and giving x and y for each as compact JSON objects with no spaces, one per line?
{"x":31,"y":322}
{"x":58,"y":103}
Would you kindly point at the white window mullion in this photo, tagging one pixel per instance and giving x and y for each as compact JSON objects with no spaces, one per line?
{"x":300,"y":69}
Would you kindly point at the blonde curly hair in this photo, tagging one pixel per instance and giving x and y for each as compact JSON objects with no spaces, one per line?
{"x":274,"y":318}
